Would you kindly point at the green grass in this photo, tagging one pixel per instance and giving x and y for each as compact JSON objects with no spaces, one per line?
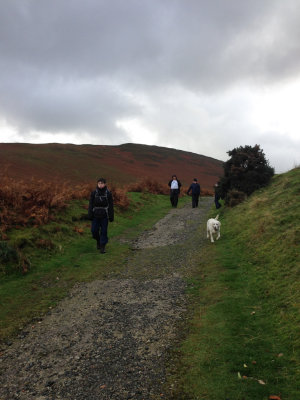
{"x":68,"y":258}
{"x":242,"y":339}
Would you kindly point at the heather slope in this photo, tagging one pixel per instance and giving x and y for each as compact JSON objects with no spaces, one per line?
{"x":120,"y":164}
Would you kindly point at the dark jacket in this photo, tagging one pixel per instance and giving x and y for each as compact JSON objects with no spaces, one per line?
{"x":195,"y":188}
{"x":179,"y":184}
{"x":101,"y":204}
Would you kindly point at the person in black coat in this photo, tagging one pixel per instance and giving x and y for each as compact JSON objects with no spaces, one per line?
{"x":217,"y":196}
{"x":101,"y":210}
{"x":175,"y":185}
{"x":195,"y":188}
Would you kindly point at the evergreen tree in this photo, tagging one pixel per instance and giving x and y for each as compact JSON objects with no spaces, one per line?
{"x":246,"y":171}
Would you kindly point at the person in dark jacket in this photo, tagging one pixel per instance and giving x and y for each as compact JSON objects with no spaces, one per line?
{"x":175,"y":185}
{"x":101,"y":210}
{"x":217,"y":196}
{"x":195,"y":188}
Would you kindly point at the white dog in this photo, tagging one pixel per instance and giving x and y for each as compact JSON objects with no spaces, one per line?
{"x":213,"y":226}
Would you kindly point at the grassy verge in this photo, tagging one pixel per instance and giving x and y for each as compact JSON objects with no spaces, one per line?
{"x":242,"y":339}
{"x":63,"y":253}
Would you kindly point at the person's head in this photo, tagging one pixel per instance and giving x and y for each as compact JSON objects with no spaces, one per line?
{"x":174,"y":177}
{"x":195,"y":180}
{"x":101,"y":183}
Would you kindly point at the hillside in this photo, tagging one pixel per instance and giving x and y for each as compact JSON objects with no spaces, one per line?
{"x":119,"y":164}
{"x":244,"y":322}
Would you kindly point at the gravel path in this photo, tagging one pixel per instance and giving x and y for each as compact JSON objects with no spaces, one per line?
{"x":109,"y":339}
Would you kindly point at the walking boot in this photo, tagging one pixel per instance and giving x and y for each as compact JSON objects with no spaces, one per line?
{"x":102,"y":248}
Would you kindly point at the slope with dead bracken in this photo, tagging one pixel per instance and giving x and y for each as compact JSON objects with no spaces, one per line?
{"x":123,"y":164}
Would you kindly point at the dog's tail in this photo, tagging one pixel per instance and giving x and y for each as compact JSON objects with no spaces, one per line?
{"x":217,"y":217}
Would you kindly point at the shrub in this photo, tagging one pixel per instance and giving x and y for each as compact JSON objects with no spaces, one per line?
{"x":206,"y":192}
{"x":120,"y":198}
{"x":35,"y":202}
{"x":235,"y":197}
{"x":8,"y":257}
{"x":7,"y":253}
{"x":148,"y":185}
{"x":29,"y":203}
{"x":246,"y":171}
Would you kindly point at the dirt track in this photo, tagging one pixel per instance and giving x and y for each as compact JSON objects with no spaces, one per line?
{"x":110,"y":339}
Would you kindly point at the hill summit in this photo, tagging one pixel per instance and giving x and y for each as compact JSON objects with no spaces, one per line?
{"x":123,"y":164}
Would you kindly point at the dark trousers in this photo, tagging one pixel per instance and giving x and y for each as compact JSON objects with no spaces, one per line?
{"x":174,"y":197}
{"x":217,"y":203}
{"x":195,"y":200}
{"x":99,"y":230}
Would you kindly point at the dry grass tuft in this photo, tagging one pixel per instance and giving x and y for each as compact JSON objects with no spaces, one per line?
{"x":148,"y":185}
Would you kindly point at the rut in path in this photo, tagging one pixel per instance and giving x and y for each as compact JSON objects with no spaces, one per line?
{"x":109,"y":339}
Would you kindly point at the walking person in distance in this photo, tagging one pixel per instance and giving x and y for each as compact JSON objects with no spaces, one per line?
{"x":175,"y":185}
{"x":195,"y":188}
{"x":101,"y":210}
{"x":217,"y":196}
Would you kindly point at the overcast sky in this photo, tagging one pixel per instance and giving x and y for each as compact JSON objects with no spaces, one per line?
{"x":199,"y":75}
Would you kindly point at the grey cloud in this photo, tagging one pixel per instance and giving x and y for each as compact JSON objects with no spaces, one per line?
{"x":62,"y":105}
{"x":199,"y":43}
{"x":81,"y":39}
{"x":77,"y":66}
